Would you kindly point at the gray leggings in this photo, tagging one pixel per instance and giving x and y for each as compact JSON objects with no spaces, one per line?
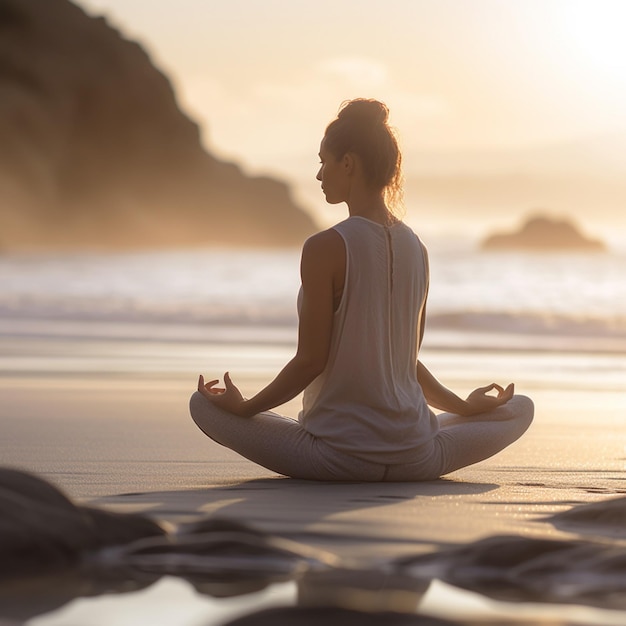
{"x":281,"y":444}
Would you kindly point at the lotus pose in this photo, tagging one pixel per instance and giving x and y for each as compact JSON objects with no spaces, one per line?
{"x":366,"y":412}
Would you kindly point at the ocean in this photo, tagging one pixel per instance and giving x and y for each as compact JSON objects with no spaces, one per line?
{"x":540,"y":320}
{"x":547,"y":318}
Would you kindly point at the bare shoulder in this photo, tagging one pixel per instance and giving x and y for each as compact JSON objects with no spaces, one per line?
{"x":325,"y":241}
{"x":325,"y":245}
{"x":325,"y":250}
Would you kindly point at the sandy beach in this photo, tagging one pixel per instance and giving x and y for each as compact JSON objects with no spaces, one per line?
{"x":124,"y":442}
{"x":130,"y":444}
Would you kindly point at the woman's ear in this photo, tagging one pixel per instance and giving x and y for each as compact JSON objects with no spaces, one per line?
{"x":348,"y":162}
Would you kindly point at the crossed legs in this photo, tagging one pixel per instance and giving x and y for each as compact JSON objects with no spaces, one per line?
{"x":281,"y":444}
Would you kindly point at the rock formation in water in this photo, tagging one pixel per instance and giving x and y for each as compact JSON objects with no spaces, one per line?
{"x":53,"y":550}
{"x":41,"y":530}
{"x":94,"y":151}
{"x":528,"y":569}
{"x":542,"y":233}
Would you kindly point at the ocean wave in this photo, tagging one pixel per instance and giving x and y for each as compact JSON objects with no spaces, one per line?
{"x":215,"y":312}
{"x":276,"y":314}
{"x":562,"y":302}
{"x":533,"y":323}
{"x":468,"y":330}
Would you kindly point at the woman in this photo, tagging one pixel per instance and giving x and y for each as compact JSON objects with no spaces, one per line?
{"x":366,"y":414}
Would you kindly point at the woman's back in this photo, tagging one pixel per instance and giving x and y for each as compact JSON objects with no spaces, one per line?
{"x":367,"y":401}
{"x":366,"y":413}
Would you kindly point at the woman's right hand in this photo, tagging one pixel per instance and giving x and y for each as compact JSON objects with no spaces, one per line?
{"x":482,"y":401}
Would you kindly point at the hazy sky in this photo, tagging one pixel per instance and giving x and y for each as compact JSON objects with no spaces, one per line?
{"x":263,"y":77}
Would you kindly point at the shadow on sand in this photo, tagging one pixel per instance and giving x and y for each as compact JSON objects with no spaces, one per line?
{"x":293,"y":508}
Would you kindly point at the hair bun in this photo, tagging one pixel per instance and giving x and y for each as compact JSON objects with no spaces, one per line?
{"x":364,"y":110}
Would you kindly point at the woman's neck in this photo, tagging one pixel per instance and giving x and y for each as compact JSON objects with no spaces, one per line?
{"x":372,"y":208}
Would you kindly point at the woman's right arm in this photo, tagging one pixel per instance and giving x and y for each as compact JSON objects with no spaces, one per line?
{"x":440,"y":397}
{"x":479,"y":401}
{"x":437,"y":395}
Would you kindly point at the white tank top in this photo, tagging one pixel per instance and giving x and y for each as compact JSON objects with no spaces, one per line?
{"x":367,"y":401}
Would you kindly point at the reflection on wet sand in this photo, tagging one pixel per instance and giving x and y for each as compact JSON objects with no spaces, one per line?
{"x":363,"y":590}
{"x":53,"y":551}
{"x":27,"y":597}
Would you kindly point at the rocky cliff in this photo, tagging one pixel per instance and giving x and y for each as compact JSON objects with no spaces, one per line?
{"x":95,"y":153}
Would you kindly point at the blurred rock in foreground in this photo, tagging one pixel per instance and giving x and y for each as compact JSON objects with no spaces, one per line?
{"x":95,"y":153}
{"x":541,"y":233}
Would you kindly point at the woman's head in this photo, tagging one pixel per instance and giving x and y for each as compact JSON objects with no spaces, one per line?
{"x":361,"y":128}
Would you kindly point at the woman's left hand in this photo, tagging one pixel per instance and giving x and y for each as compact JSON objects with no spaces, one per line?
{"x":229,"y":398}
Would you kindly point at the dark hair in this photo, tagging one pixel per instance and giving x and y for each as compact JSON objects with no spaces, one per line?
{"x":362,"y":127}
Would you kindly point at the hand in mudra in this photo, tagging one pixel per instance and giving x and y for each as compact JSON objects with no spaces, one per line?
{"x":482,"y":401}
{"x":228,"y":397}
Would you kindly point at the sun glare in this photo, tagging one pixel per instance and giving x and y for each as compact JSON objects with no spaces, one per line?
{"x":596,"y":34}
{"x":357,"y":71}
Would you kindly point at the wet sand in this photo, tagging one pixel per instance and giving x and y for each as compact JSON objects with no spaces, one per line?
{"x":126,"y":443}
{"x":541,"y":522}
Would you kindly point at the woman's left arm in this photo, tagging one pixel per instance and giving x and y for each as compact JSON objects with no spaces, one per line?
{"x":323,"y":261}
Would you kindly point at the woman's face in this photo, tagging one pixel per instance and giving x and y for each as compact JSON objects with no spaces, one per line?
{"x":333,"y":174}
